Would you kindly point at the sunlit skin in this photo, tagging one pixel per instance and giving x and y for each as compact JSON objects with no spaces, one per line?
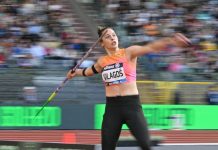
{"x":110,"y":43}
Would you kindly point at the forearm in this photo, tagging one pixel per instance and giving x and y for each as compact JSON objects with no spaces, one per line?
{"x":177,"y":39}
{"x":79,"y":72}
{"x":84,"y":72}
{"x":90,"y":71}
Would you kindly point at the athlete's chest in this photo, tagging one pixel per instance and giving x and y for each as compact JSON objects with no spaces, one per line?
{"x":114,"y":73}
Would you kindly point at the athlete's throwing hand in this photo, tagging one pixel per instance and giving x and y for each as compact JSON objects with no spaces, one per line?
{"x":71,"y":74}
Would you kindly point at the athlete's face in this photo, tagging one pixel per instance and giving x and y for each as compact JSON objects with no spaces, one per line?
{"x":110,"y":40}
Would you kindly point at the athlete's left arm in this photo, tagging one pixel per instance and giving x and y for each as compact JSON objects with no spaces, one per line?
{"x":90,"y":71}
{"x":178,"y":40}
{"x":94,"y":69}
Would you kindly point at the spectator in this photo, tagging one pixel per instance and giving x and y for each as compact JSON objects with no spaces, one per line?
{"x":212,"y":95}
{"x":2,"y":60}
{"x":178,"y":65}
{"x":38,"y":53}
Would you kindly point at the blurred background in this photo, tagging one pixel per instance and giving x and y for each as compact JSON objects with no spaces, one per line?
{"x":41,"y":39}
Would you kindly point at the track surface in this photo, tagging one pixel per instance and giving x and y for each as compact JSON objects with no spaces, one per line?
{"x":93,"y":136}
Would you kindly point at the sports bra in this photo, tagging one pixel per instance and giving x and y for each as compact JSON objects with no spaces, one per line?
{"x":117,"y":69}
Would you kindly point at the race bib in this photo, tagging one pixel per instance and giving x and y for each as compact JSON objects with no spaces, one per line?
{"x":114,"y":74}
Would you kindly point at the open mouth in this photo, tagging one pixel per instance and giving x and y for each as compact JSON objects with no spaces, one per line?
{"x":114,"y":43}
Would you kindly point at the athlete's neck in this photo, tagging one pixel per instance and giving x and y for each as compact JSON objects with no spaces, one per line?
{"x":112,"y":51}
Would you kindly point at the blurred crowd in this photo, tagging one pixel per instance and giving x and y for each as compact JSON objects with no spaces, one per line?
{"x":32,"y":30}
{"x":144,"y":21}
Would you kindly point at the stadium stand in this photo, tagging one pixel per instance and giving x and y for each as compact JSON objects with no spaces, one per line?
{"x":41,"y":39}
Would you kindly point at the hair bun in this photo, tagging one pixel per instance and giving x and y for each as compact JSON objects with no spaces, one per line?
{"x":101,"y":29}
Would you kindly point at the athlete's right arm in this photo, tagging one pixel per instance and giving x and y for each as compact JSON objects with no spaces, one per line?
{"x":90,"y":71}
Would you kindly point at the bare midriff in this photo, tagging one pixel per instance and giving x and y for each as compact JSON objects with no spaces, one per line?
{"x":124,"y":89}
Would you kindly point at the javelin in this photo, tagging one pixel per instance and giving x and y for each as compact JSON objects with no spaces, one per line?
{"x":73,"y":70}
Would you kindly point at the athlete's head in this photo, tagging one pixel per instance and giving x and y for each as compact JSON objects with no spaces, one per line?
{"x":109,"y":41}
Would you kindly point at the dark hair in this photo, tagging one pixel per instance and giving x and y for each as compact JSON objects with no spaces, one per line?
{"x":101,"y":30}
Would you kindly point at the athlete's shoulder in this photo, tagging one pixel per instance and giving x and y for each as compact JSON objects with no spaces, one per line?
{"x":101,"y":60}
{"x":122,"y":50}
{"x":132,"y":51}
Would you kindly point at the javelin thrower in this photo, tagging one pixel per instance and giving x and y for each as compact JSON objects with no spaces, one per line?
{"x":118,"y":69}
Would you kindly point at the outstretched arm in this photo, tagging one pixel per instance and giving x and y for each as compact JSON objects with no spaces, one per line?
{"x":90,"y":71}
{"x":178,"y":40}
